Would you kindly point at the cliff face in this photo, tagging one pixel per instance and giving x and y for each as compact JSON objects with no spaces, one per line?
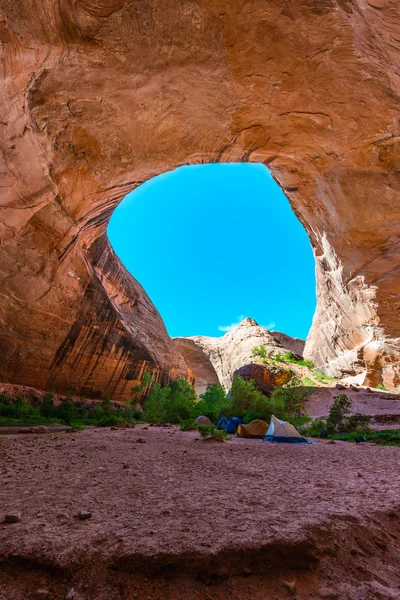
{"x":98,"y":96}
{"x":198,"y":362}
{"x":234,"y":351}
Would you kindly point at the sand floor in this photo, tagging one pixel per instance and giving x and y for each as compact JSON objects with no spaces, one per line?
{"x":174,"y":517}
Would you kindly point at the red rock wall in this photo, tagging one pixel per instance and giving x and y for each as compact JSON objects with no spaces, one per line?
{"x":98,"y":96}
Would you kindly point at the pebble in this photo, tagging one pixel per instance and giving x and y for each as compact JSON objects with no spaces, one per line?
{"x":12,"y":517}
{"x":340,"y":386}
{"x":41,"y":594}
{"x":84,"y":514}
{"x":328,"y":594}
{"x":140,"y":441}
{"x":290,"y":586}
{"x":247,"y":571}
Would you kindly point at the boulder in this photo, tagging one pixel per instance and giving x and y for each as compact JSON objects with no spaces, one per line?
{"x":266,"y":377}
{"x":203,"y":420}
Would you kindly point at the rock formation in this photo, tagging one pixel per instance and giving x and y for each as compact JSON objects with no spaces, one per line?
{"x":295,"y":345}
{"x":198,"y":362}
{"x":233,"y":351}
{"x":265,"y":377}
{"x":99,"y":96}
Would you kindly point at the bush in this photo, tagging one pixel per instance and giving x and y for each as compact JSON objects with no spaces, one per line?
{"x":261,"y":352}
{"x":18,"y":408}
{"x":380,"y":386}
{"x":357,"y":421}
{"x":173,"y":404}
{"x":338,"y":421}
{"x":247,"y":402}
{"x":340,"y":407}
{"x":322,"y":377}
{"x":289,"y":399}
{"x":188,"y":425}
{"x":212,"y":402}
{"x":210,"y":432}
{"x":315,"y":428}
{"x":110,"y":420}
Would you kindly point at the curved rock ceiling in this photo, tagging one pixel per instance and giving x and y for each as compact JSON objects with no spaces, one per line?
{"x":97,"y":96}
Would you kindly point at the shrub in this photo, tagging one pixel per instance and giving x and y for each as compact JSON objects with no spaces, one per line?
{"x":247,"y":402}
{"x":188,"y":425}
{"x":210,"y":432}
{"x":110,"y":420}
{"x":212,"y":402}
{"x":289,"y":399}
{"x":315,"y":428}
{"x":357,"y":421}
{"x":18,"y":408}
{"x":322,"y":377}
{"x":261,"y":352}
{"x":380,"y":386}
{"x":174,"y":403}
{"x":340,"y":407}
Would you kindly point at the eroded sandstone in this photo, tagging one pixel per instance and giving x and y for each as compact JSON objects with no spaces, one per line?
{"x":99,"y":96}
{"x":233,"y":352}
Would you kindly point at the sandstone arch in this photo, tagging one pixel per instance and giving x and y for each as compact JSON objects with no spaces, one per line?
{"x":99,"y":95}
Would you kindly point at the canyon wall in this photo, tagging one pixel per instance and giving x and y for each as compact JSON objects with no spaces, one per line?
{"x":99,"y":96}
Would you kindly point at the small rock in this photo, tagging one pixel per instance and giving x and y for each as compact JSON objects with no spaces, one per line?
{"x":368,"y":389}
{"x":359,"y":474}
{"x":140,"y":441}
{"x":125,"y":466}
{"x":113,"y":428}
{"x":70,"y":594}
{"x":12,"y":517}
{"x":328,"y":594}
{"x":340,"y":386}
{"x":203,"y":420}
{"x":84,"y":514}
{"x":354,"y":388}
{"x":331,"y":442}
{"x":290,"y":586}
{"x":247,"y":571}
{"x":41,"y":594}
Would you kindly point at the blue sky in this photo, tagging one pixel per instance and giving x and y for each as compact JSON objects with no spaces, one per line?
{"x":212,"y":244}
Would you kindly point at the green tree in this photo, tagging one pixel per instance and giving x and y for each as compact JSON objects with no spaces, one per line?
{"x":341,"y":406}
{"x":212,"y":402}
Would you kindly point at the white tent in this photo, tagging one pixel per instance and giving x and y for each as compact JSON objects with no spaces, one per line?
{"x":281,"y":431}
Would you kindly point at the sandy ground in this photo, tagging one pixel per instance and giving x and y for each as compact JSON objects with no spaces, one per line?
{"x":176,"y":518}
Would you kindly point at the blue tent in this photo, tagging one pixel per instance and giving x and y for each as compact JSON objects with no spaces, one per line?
{"x":233,"y":424}
{"x":223,"y":423}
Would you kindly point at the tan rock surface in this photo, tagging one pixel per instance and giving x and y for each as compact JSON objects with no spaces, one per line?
{"x":234,"y":350}
{"x":198,"y":362}
{"x":97,"y":97}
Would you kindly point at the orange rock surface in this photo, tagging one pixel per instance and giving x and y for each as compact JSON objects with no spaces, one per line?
{"x":98,"y":96}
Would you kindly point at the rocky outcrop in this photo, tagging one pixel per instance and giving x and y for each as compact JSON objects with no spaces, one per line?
{"x":97,"y":97}
{"x":198,"y":362}
{"x":291,"y":344}
{"x":234,"y":350}
{"x":265,"y":377}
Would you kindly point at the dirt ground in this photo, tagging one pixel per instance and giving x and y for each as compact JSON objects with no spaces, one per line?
{"x":382,"y":406}
{"x":176,"y":518}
